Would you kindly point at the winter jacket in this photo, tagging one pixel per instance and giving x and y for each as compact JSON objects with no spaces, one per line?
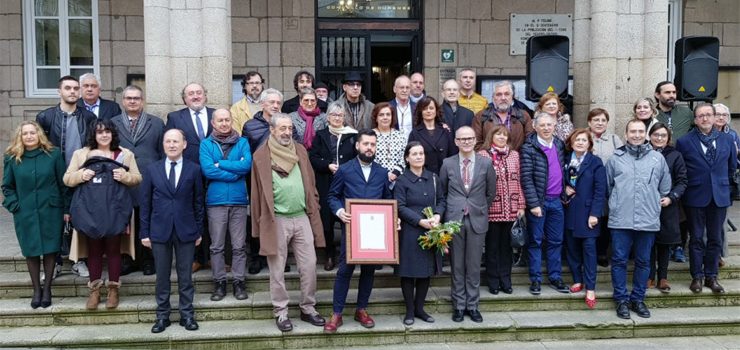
{"x":670,"y":216}
{"x":534,"y":169}
{"x":256,"y":130}
{"x":226,"y":182}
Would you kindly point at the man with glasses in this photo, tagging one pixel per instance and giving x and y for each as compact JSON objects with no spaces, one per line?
{"x":249,"y":105}
{"x":303,"y":79}
{"x":403,"y":105}
{"x":358,"y":108}
{"x":711,"y":160}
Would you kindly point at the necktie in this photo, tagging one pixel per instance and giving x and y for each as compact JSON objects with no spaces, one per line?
{"x":91,"y":108}
{"x":173,"y":178}
{"x":466,"y":173}
{"x":199,"y":124}
{"x":132,"y":124}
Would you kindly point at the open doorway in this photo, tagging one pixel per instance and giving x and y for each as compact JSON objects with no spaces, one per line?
{"x":388,"y":61}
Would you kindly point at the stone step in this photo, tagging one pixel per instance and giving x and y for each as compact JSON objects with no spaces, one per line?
{"x":389,"y":330}
{"x":384,"y":301}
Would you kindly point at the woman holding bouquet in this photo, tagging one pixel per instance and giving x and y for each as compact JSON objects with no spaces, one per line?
{"x":416,"y":189}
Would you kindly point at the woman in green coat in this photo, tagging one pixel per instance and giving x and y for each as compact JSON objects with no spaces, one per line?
{"x":37,"y":198}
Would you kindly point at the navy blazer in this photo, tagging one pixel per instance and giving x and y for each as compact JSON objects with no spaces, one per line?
{"x":589,"y":198}
{"x":181,"y":120}
{"x":165,"y":210}
{"x":349,"y":182}
{"x":107,"y":109}
{"x":707,"y":182}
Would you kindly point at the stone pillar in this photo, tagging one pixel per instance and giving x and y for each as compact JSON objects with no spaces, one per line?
{"x":581,"y":61}
{"x":603,"y":54}
{"x":654,"y":44}
{"x":186,"y":42}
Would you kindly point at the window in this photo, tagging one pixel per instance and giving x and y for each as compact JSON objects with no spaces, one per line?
{"x":60,"y":38}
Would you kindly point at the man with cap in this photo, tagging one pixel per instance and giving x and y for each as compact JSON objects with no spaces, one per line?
{"x":359,"y":109}
{"x":322,"y":92}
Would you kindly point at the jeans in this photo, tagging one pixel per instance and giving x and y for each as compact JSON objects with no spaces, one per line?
{"x":624,"y":241}
{"x":550,"y":227}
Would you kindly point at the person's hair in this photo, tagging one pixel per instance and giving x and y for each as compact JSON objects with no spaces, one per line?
{"x":179,"y":131}
{"x":549,"y":96}
{"x":421,"y":105}
{"x":376,"y":110}
{"x":720,"y":105}
{"x":634,"y":121}
{"x":702,"y":105}
{"x":488,"y":141}
{"x":650,"y":102}
{"x":274,"y":119}
{"x":572,"y":139}
{"x":660,"y":125}
{"x":407,"y":150}
{"x":661,"y":84}
{"x":459,"y":74}
{"x":132,"y":88}
{"x":333,"y":107}
{"x":503,"y":83}
{"x":103,"y":124}
{"x":182,"y":93}
{"x":306,"y":91}
{"x":298,"y":77}
{"x":365,"y":132}
{"x":248,"y":76}
{"x":596,"y":112}
{"x":270,"y":91}
{"x":90,"y":76}
{"x":540,"y":114}
{"x":67,"y":77}
{"x":398,"y":78}
{"x":16,"y":148}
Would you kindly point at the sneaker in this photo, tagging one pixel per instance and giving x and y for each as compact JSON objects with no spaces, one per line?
{"x":559,"y":286}
{"x":678,"y":255}
{"x":57,"y":272}
{"x":80,"y":269}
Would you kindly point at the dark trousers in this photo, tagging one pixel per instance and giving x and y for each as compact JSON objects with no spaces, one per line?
{"x":499,"y":254}
{"x":624,"y":242}
{"x":202,"y":253}
{"x":184,"y":252}
{"x":328,"y":220}
{"x":581,"y":256}
{"x":111,"y":247}
{"x":344,"y":275}
{"x":143,"y":255}
{"x":704,"y":257}
{"x":660,"y":256}
{"x":604,"y":239}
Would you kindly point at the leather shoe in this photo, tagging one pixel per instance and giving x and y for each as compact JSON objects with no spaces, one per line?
{"x":712,"y":283}
{"x":189,"y":324}
{"x":196,"y":266}
{"x":283,"y":323}
{"x":559,"y":286}
{"x":314,"y":319}
{"x":219,"y":291}
{"x":475,"y":316}
{"x":457,"y":316}
{"x":148,"y":269}
{"x":329,"y":264}
{"x":240,"y":292}
{"x":696,"y":285}
{"x":663,"y":286}
{"x":623,"y":311}
{"x":535,"y":288}
{"x":640,"y":309}
{"x":493,"y":291}
{"x":507,"y":290}
{"x":364,"y":319}
{"x":334,"y":323}
{"x":160,"y":325}
{"x":254,"y":267}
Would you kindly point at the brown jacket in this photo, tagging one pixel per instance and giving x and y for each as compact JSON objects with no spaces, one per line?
{"x":487,"y":119}
{"x":263,"y":205}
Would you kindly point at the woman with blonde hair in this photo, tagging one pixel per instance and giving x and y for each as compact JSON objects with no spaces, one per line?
{"x":644,"y":109}
{"x":36,"y":196}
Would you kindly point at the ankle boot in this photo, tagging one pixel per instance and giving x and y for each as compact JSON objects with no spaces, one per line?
{"x":112,"y":301}
{"x":94,"y":299}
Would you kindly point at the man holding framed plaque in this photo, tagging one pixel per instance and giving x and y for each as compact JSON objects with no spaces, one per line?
{"x":361,"y":178}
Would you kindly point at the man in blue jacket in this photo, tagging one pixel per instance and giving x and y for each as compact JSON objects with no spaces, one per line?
{"x":225,"y":159}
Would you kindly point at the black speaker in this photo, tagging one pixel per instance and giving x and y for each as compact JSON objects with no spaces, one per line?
{"x":697,"y":68}
{"x":547,"y":66}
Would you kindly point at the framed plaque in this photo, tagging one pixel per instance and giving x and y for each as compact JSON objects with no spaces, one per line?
{"x":372,"y":235}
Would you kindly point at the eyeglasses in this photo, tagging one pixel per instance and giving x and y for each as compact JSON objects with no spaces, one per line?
{"x":659,"y":135}
{"x":724,"y":115}
{"x":465,"y":139}
{"x":254,"y":83}
{"x":336,"y":115}
{"x":132,"y":98}
{"x":354,"y":84}
{"x":705,"y":116}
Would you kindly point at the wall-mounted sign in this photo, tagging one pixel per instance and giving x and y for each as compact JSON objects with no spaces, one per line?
{"x":448,"y":55}
{"x":524,"y":26}
{"x":366,"y":9}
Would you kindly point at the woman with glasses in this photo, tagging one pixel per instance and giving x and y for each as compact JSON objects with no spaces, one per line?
{"x":332,"y":147}
{"x":391,"y":141}
{"x":308,"y":119}
{"x":429,"y":130}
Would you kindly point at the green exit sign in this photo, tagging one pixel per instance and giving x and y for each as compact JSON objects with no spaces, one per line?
{"x":448,"y":55}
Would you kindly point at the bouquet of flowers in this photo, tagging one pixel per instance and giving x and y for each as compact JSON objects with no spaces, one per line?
{"x":440,"y":236}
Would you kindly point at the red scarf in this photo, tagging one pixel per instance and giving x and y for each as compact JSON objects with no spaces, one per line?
{"x":308,"y":117}
{"x":498,"y":154}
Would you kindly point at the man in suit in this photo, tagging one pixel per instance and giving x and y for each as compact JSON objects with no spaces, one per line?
{"x":301,"y":80}
{"x":195,"y":123}
{"x":470,"y":183}
{"x":359,"y":178}
{"x":710,"y":158}
{"x":172,"y":219}
{"x":403,"y":105}
{"x":455,"y":115}
{"x":141,"y":133}
{"x":102,"y":108}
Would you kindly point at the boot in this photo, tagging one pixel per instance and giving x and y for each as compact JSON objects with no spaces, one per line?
{"x":112,"y":301}
{"x":94,"y":299}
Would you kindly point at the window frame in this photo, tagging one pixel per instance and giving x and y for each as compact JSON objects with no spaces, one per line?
{"x":30,"y":68}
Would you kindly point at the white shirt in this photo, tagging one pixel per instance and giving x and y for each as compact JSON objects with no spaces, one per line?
{"x":366,"y":170}
{"x":405,"y":119}
{"x":545,"y":143}
{"x":94,"y":109}
{"x":178,"y":169}
{"x":203,"y":116}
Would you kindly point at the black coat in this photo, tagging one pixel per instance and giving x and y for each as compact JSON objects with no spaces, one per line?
{"x":51,"y":121}
{"x":455,"y":119}
{"x":106,"y":109}
{"x":534,"y":169}
{"x":290,"y":106}
{"x":322,"y":154}
{"x":437,"y":146}
{"x":670,"y":232}
{"x":256,"y":130}
{"x":414,"y":193}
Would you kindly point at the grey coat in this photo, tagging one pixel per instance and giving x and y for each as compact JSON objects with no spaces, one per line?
{"x":146,"y":144}
{"x":478,"y":199}
{"x":299,"y":125}
{"x":363,"y":120}
{"x":636,"y":182}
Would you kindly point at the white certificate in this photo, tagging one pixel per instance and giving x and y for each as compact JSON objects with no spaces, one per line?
{"x":372,"y":226}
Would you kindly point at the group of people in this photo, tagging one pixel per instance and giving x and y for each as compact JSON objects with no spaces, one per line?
{"x":268,"y":176}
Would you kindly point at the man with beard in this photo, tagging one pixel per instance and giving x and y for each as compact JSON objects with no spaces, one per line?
{"x":249,"y":105}
{"x":303,"y":79}
{"x":417,"y":87}
{"x":503,"y":112}
{"x":285,"y":200}
{"x":358,"y":178}
{"x":678,"y":118}
{"x":455,"y":115}
{"x":225,"y":160}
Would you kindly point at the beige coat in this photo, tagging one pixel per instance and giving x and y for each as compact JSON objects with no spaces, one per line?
{"x":73,"y":178}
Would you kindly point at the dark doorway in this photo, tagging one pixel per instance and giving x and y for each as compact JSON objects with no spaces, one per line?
{"x":388,"y":61}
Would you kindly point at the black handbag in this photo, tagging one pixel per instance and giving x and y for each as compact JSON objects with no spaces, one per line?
{"x":519,"y":233}
{"x":66,"y":238}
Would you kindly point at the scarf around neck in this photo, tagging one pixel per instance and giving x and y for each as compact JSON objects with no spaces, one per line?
{"x":308,"y":117}
{"x":342,"y":131}
{"x":283,"y":158}
{"x":498,"y":154}
{"x":708,"y":141}
{"x":225,"y":141}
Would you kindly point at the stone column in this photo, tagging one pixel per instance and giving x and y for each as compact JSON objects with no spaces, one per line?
{"x":581,"y":61}
{"x":654,"y":45}
{"x":603,"y":51}
{"x":186,"y":42}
